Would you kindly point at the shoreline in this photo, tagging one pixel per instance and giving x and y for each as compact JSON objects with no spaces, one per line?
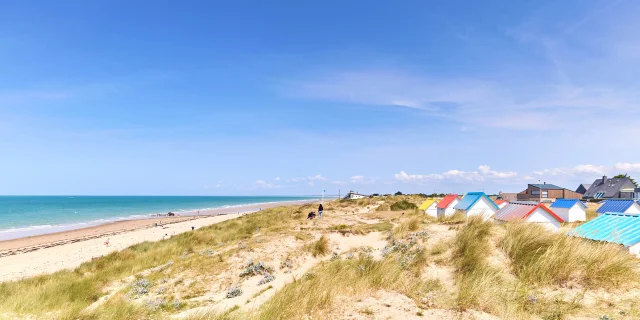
{"x":60,"y":251}
{"x":25,"y":244}
{"x":36,"y":231}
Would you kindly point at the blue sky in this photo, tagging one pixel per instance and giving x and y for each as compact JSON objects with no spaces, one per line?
{"x":291,"y":97}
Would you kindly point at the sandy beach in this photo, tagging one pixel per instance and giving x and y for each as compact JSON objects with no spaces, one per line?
{"x":30,"y":256}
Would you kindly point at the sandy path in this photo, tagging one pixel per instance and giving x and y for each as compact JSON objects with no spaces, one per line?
{"x":71,"y":255}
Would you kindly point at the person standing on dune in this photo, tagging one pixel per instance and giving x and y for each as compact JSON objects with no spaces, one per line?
{"x":320,"y":209}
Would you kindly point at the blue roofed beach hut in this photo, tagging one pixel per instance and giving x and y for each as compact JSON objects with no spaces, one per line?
{"x":477,"y":204}
{"x":570,"y":210}
{"x":619,"y":206}
{"x":617,"y":228}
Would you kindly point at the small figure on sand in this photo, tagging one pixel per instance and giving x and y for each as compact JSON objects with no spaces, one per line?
{"x":193,"y":228}
{"x":311,"y":215}
{"x":106,"y":243}
{"x":320,"y":209}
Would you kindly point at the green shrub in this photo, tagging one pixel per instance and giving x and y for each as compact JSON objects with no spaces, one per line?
{"x":402,"y":205}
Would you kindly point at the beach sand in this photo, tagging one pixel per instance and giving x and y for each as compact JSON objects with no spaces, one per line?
{"x":31,"y":256}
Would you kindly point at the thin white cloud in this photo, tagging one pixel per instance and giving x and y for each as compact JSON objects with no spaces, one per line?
{"x":277,"y":178}
{"x":362,"y":180}
{"x":630,"y":167}
{"x":487,"y":172}
{"x":583,"y":169}
{"x":484,"y":172}
{"x":317,"y":177}
{"x":266,"y":185}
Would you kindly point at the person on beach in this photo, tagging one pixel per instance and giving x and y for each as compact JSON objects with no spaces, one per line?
{"x":320,"y":209}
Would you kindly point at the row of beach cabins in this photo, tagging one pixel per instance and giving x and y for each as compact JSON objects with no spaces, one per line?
{"x":618,"y":220}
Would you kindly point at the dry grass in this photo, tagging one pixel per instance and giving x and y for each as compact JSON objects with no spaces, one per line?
{"x":456,"y":218}
{"x":471,"y":245}
{"x":320,"y":247}
{"x":541,"y":257}
{"x":67,"y":293}
{"x":316,"y":292}
{"x":404,"y":228}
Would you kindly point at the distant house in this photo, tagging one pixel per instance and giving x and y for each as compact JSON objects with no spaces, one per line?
{"x":546,"y":193}
{"x":447,"y":204}
{"x":570,"y":210}
{"x":509,"y":196}
{"x":611,"y":188}
{"x":501,"y":203}
{"x":353,"y":196}
{"x":530,"y":213}
{"x":619,"y":206}
{"x":582,"y":189}
{"x":623,"y":229}
{"x":429,"y":207}
{"x":476,"y":204}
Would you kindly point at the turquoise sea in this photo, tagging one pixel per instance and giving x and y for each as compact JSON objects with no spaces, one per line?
{"x":22,"y":216}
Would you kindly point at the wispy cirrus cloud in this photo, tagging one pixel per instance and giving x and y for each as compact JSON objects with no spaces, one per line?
{"x":266,"y":185}
{"x":559,"y":94}
{"x":458,"y":176}
{"x":630,"y":167}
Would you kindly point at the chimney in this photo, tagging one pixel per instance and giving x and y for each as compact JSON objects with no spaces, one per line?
{"x":604,"y":179}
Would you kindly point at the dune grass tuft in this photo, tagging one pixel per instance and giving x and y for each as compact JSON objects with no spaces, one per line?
{"x":404,"y":228}
{"x":471,"y":245}
{"x":320,"y":247}
{"x":316,"y":292}
{"x":479,"y":285}
{"x":542,"y":257}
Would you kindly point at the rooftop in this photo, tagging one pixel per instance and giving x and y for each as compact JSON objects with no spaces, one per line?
{"x":519,"y":211}
{"x":471,"y":198}
{"x":567,"y":203}
{"x":611,"y":227}
{"x":547,"y":186}
{"x":614,"y":205}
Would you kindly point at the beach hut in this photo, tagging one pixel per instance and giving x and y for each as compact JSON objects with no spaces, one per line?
{"x":429,"y":207}
{"x":447,"y":204}
{"x":476,"y":204}
{"x":529,"y":212}
{"x":501,"y":203}
{"x":620,"y":206}
{"x":570,"y":210}
{"x":620,"y":228}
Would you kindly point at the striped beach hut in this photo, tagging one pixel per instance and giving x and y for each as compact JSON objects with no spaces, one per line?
{"x":529,"y":212}
{"x":619,"y":206}
{"x":429,"y":207}
{"x":501,"y":203}
{"x":476,"y":204}
{"x":570,"y":210}
{"x":447,"y":204}
{"x":620,"y":228}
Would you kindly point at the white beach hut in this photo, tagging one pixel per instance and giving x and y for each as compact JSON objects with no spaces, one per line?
{"x":570,"y":210}
{"x":446,"y":206}
{"x":529,"y":212}
{"x":477,"y":204}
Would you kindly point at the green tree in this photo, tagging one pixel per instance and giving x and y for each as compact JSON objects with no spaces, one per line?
{"x":627,"y":176}
{"x":398,"y":193}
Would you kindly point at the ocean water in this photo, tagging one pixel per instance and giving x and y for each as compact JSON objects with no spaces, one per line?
{"x":22,"y":216}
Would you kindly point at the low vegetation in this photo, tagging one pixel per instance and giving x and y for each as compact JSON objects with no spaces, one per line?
{"x":319,"y":247}
{"x":452,"y":264}
{"x":541,"y":257}
{"x":403,"y":205}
